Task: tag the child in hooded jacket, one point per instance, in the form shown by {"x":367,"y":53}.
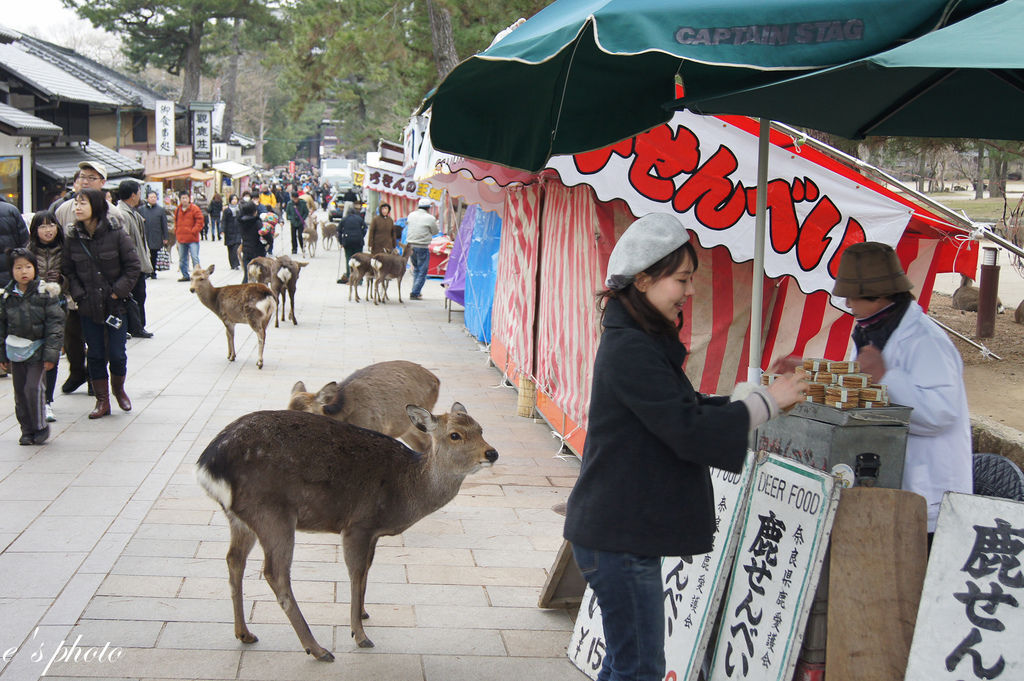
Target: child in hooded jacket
{"x":32,"y":331}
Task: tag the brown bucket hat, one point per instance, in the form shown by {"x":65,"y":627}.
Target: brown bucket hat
{"x":870,"y":270}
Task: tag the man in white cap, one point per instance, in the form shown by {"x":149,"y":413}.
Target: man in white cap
{"x":91,"y":175}
{"x":422,"y":228}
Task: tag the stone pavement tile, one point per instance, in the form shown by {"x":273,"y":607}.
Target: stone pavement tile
{"x":135,"y":585}
{"x":19,"y":617}
{"x":78,"y":500}
{"x":161,"y":609}
{"x":480,"y":489}
{"x":119,"y":633}
{"x":36,"y":575}
{"x":145,"y":432}
{"x":514,"y":596}
{"x":28,"y":486}
{"x":106,"y":552}
{"x":421,"y":556}
{"x":62,"y":534}
{"x":337,"y":572}
{"x":103,"y":473}
{"x":197,"y":532}
{"x":158,"y":663}
{"x":169,"y":567}
{"x":347,"y":666}
{"x":464,"y":668}
{"x":442,"y":640}
{"x":515,"y":528}
{"x":546,"y":543}
{"x":435,"y":524}
{"x":524,"y":643}
{"x":509,"y":576}
{"x":513,"y":558}
{"x":221,"y":636}
{"x":567,"y":481}
{"x":76,"y":595}
{"x":491,"y":617}
{"x":318,"y":553}
{"x":161,"y":547}
{"x":59,"y":462}
{"x":381,"y":614}
{"x":6,"y":539}
{"x":413,"y":539}
{"x":259,"y":589}
{"x":15,"y":516}
{"x":175,"y":517}
{"x":417,"y":594}
{"x":457,"y":510}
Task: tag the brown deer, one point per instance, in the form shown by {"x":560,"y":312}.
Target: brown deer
{"x":375,"y":398}
{"x":328,"y":233}
{"x":309,"y":239}
{"x":388,"y":266}
{"x":275,"y":472}
{"x":966,"y":297}
{"x":359,"y":270}
{"x":288,"y":274}
{"x":252,"y":304}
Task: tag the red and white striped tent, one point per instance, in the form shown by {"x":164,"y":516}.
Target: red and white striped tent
{"x":559,"y":230}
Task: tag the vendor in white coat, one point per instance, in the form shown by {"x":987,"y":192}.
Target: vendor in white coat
{"x":900,"y":347}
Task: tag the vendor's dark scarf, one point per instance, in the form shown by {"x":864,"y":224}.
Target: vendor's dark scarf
{"x":877,"y":328}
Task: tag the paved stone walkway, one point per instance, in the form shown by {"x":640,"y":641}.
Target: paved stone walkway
{"x":105,"y":535}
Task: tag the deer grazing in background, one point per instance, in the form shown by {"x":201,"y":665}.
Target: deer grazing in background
{"x":252,"y":304}
{"x":375,"y":397}
{"x":360,"y":270}
{"x":275,"y":472}
{"x":388,"y":266}
{"x":966,"y":297}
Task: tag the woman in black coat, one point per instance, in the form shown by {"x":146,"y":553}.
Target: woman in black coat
{"x":249,"y":225}
{"x":232,"y":232}
{"x":644,"y":490}
{"x":100,"y":267}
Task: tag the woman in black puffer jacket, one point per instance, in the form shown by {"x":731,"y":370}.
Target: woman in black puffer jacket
{"x":100,"y":269}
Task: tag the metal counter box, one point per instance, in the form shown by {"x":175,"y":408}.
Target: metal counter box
{"x":823,"y":437}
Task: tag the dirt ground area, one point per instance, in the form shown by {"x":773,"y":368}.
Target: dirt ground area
{"x":995,"y":388}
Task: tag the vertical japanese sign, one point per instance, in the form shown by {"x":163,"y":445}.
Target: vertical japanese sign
{"x":164,"y":128}
{"x":202,"y":136}
{"x":971,"y":620}
{"x":781,"y":548}
{"x":693,"y":587}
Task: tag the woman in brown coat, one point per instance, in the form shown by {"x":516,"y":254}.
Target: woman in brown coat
{"x":382,"y":231}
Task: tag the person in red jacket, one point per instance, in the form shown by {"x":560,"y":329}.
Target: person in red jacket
{"x":188,"y":225}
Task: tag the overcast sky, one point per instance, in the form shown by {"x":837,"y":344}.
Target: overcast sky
{"x":42,"y":18}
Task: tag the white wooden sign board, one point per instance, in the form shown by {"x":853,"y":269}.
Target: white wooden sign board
{"x":778,"y":561}
{"x":970,"y":624}
{"x":693,"y":591}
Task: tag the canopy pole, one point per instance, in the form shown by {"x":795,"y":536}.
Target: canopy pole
{"x":757,"y":289}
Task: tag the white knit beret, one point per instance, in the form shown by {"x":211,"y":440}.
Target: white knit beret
{"x":644,"y":243}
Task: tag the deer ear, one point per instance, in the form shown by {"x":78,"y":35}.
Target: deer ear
{"x":457,"y":408}
{"x":210,"y":269}
{"x":327,"y":392}
{"x":299,"y":387}
{"x":421,"y":418}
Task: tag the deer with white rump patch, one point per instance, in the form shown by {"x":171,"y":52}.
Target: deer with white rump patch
{"x":388,"y":266}
{"x":275,"y":472}
{"x":252,"y":304}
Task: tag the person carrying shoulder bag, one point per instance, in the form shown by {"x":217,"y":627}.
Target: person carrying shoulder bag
{"x":100,"y":269}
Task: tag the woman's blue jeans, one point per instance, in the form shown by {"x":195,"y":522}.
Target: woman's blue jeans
{"x":104,"y":344}
{"x":630,"y":594}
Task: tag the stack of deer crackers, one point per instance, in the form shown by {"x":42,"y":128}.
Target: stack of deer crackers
{"x":840,"y":384}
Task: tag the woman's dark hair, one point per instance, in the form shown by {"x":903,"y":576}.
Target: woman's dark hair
{"x":231,"y":196}
{"x":247,"y":208}
{"x":15,"y":253}
{"x":635,"y":302}
{"x":382,"y":206}
{"x":217,"y":197}
{"x":38,"y":220}
{"x":97,"y":201}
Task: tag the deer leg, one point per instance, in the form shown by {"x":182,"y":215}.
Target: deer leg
{"x":398,"y":283}
{"x":291,"y":299}
{"x":230,"y":329}
{"x":242,"y":540}
{"x":277,"y":536}
{"x":359,"y":547}
{"x":260,"y":327}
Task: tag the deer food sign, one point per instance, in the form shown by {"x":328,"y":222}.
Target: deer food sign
{"x":971,"y":617}
{"x":705,"y":171}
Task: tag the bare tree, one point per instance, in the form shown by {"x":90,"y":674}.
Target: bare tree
{"x":445,"y":57}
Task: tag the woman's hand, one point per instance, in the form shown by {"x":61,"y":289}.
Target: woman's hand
{"x":48,"y":366}
{"x":5,"y":367}
{"x":114,"y":296}
{"x":787,"y":390}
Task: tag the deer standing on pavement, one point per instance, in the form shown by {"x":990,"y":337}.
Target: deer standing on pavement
{"x":388,"y":266}
{"x":288,"y":274}
{"x":375,"y":397}
{"x":252,"y":304}
{"x":359,"y":270}
{"x":275,"y":472}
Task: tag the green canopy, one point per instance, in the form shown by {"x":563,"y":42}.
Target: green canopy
{"x":582,"y":74}
{"x":964,"y":80}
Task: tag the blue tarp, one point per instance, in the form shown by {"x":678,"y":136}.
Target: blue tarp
{"x":482,"y":273}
